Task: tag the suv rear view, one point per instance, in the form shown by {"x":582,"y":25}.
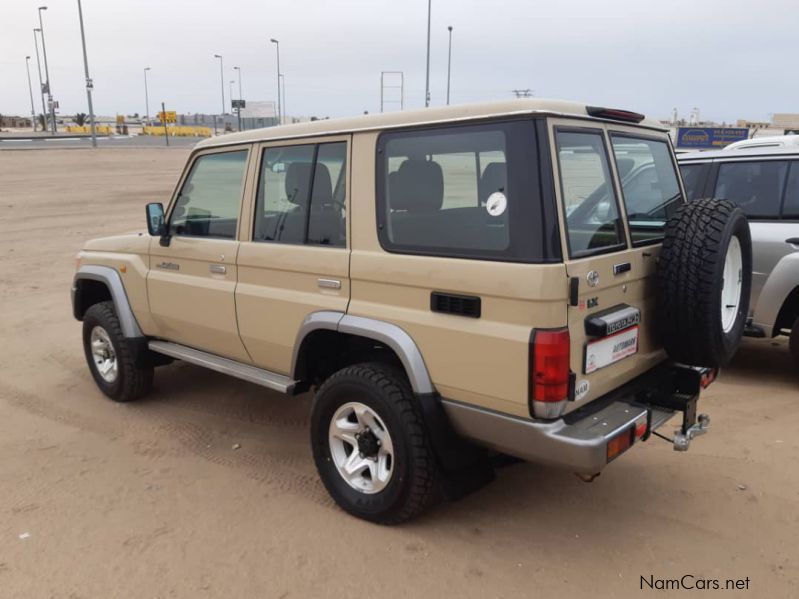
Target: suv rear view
{"x":522,"y":277}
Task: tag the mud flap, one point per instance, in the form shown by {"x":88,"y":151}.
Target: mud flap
{"x":465,"y":467}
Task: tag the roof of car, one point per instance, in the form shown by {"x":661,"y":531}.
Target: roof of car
{"x":389,"y":120}
{"x":738,"y":154}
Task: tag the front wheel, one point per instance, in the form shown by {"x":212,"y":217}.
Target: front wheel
{"x":794,"y":343}
{"x":110,"y":357}
{"x":370,"y":445}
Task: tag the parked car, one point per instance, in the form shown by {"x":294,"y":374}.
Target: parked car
{"x":776,"y":141}
{"x":764,"y":183}
{"x":434,"y":277}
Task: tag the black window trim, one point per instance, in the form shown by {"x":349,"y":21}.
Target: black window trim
{"x":609,"y":249}
{"x":716,"y":172}
{"x":187,"y":173}
{"x":552,"y":253}
{"x":675,"y":164}
{"x":315,"y":145}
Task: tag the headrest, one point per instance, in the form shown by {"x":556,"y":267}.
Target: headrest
{"x":624,"y":166}
{"x":495,"y":178}
{"x":417,"y":186}
{"x":298,"y":176}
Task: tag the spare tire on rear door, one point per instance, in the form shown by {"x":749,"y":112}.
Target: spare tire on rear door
{"x":704,"y":280}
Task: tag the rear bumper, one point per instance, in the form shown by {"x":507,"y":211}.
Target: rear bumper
{"x":579,"y":440}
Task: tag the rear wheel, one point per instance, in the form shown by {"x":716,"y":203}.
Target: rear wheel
{"x":370,"y":445}
{"x":110,"y":357}
{"x":704,"y":281}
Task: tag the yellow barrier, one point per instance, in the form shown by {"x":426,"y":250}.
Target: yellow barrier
{"x":177,"y":131}
{"x":101,"y":129}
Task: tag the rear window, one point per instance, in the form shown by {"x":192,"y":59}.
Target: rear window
{"x":649,"y":184}
{"x":755,"y":186}
{"x":593,"y":223}
{"x":468,"y":191}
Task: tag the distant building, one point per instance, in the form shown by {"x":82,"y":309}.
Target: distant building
{"x":15,"y":122}
{"x":785,"y":120}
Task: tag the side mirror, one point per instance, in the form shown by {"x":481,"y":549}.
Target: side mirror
{"x":155,"y":220}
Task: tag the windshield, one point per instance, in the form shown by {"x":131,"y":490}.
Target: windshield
{"x":649,"y":184}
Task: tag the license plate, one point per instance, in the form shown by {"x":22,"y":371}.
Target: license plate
{"x":608,"y":350}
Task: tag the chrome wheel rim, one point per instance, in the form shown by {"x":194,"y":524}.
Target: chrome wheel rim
{"x":361,"y":448}
{"x":103,"y":354}
{"x":732,"y":286}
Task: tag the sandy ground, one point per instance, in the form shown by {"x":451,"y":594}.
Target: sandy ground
{"x":151,"y":500}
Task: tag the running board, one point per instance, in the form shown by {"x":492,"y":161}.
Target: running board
{"x":253,"y":374}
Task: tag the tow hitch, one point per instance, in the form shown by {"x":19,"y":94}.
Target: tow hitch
{"x":682,"y":440}
{"x":686,"y":383}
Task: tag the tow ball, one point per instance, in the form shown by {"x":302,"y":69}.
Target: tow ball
{"x":682,"y":440}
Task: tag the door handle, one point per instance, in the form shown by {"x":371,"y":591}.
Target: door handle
{"x":328,"y":283}
{"x":792,"y":240}
{"x":217,"y":269}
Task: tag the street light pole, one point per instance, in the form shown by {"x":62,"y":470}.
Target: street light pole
{"x":230,"y":92}
{"x":146,"y":98}
{"x":41,"y":85}
{"x":283,"y":90}
{"x":47,"y":70}
{"x":222,"y":83}
{"x":30,"y":90}
{"x":449,"y":61}
{"x":427,"y":72}
{"x":89,"y":83}
{"x":279,"y":103}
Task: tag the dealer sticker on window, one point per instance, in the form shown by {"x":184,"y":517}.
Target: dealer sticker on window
{"x":604,"y":352}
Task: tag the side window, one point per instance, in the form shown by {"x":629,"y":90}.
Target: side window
{"x":592,"y":215}
{"x":692,"y":179}
{"x":466,"y":191}
{"x":433,"y":192}
{"x":301,"y":195}
{"x":755,"y":186}
{"x":209,"y":201}
{"x":790,"y":208}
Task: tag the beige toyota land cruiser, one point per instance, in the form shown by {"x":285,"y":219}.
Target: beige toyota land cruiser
{"x":453,"y":284}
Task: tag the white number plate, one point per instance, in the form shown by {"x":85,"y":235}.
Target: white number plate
{"x":608,"y":350}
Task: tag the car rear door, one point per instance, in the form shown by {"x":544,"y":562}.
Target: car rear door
{"x":611,"y":265}
{"x":294,"y":259}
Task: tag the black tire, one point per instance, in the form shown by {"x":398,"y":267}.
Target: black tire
{"x":794,"y":343}
{"x":690,"y":279}
{"x":412,"y":486}
{"x":132,"y":381}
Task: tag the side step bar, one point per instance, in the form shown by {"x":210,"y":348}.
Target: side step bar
{"x":253,"y":374}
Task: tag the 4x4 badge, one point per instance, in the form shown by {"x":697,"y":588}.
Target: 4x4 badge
{"x":593,"y":278}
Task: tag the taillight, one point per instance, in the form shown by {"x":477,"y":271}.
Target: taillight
{"x":549,"y":372}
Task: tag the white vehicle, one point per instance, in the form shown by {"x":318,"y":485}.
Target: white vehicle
{"x":759,"y":143}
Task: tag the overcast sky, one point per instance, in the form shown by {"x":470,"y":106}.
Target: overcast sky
{"x":731,"y":58}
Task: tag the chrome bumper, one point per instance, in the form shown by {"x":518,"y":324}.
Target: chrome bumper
{"x":579,"y":445}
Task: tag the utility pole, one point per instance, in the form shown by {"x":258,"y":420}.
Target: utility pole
{"x":283,"y":92}
{"x":449,"y":62}
{"x":89,"y":83}
{"x":50,"y":104}
{"x":30,"y":90}
{"x":427,"y":72}
{"x":41,"y":85}
{"x":146,"y":98}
